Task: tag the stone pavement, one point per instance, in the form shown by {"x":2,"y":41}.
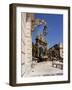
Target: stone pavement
{"x":44,"y":69}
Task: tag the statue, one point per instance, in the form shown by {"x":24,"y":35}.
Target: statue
{"x":40,"y":47}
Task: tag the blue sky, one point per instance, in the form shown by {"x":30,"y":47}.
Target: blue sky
{"x":54,"y":26}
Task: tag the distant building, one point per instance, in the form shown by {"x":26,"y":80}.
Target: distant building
{"x":56,"y":52}
{"x":61,"y":50}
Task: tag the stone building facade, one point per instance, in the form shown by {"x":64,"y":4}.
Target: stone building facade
{"x":26,"y":43}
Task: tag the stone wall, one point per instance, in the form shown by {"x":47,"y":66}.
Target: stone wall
{"x":26,"y":43}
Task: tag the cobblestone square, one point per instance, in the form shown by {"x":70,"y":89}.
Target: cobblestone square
{"x":44,"y":69}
